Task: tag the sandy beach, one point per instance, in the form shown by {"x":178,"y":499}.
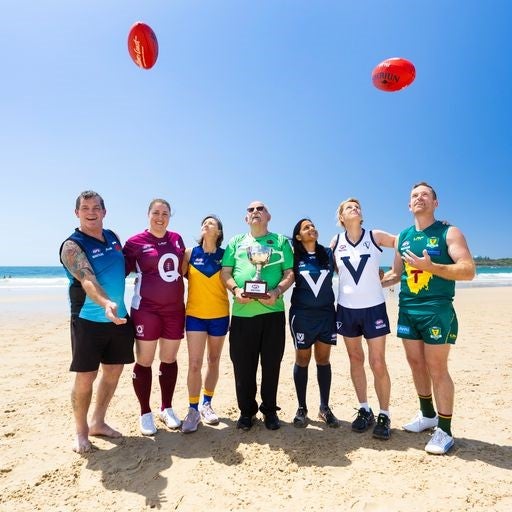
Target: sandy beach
{"x":221,"y":468}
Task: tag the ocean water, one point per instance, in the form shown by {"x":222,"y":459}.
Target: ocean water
{"x":39,"y":278}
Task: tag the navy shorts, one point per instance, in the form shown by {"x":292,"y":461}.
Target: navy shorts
{"x":153,"y":325}
{"x":212,"y":326}
{"x":371,"y":322}
{"x":310,"y":326}
{"x":93,"y":343}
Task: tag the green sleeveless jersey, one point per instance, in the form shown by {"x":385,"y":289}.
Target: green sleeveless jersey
{"x":421,"y":291}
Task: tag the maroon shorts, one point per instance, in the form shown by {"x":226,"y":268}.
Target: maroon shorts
{"x":153,"y":325}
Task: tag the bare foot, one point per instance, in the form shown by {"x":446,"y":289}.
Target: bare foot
{"x":103,"y":430}
{"x":82,"y":444}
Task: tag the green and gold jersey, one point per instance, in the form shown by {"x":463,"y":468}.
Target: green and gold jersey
{"x":421,"y":291}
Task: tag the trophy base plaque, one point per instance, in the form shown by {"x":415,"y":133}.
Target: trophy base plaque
{"x":255,"y":290}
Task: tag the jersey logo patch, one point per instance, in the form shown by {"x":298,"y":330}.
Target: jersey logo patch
{"x":315,"y":287}
{"x":168,"y":265}
{"x":356,"y":272}
{"x":403,"y":330}
{"x":417,"y":280}
{"x":435,"y":333}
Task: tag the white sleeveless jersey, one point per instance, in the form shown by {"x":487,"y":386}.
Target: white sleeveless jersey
{"x":358,"y":271}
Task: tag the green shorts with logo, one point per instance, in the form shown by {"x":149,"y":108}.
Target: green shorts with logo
{"x":436,"y":328}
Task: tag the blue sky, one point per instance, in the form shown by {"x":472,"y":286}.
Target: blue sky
{"x":267,"y":99}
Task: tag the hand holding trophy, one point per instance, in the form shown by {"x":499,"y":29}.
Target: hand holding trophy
{"x":256,"y":288}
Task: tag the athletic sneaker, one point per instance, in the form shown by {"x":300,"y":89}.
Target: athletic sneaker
{"x":301,"y":418}
{"x":326,"y":415}
{"x":365,"y":419}
{"x":383,"y":428}
{"x":191,"y":421}
{"x":147,"y":424}
{"x":420,"y":423}
{"x":440,"y":442}
{"x":208,"y":415}
{"x":169,"y":418}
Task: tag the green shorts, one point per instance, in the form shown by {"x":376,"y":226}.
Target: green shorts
{"x":436,"y":328}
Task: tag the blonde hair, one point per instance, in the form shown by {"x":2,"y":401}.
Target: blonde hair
{"x":339,"y":211}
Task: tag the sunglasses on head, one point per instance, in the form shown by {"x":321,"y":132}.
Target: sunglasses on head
{"x":255,"y":209}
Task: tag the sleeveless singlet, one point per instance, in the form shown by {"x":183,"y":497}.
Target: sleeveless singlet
{"x":358,"y":271}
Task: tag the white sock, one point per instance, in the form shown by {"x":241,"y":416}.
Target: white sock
{"x":365,"y":406}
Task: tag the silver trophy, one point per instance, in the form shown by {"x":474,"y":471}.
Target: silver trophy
{"x":259,"y":256}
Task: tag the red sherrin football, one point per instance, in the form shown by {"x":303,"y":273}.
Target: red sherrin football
{"x":393,"y":74}
{"x":142,"y":45}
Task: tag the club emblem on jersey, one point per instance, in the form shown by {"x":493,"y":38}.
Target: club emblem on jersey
{"x":168,"y":266}
{"x":435,"y":333}
{"x":367,"y":244}
{"x":315,"y":287}
{"x":433,"y":242}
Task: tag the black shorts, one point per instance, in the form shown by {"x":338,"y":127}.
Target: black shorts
{"x":93,"y":343}
{"x":310,"y":326}
{"x":371,"y":322}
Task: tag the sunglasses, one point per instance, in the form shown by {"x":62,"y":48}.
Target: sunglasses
{"x":255,"y":209}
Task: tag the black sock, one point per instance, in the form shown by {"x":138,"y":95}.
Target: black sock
{"x":300,"y":377}
{"x":427,"y":406}
{"x":445,"y":423}
{"x":324,"y":376}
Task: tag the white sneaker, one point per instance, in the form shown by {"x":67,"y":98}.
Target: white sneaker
{"x":191,"y":421}
{"x":169,"y":418}
{"x":208,"y":415}
{"x":440,"y":443}
{"x":420,"y":423}
{"x":147,"y":424}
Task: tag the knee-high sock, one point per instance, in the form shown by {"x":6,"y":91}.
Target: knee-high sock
{"x":300,"y":377}
{"x":427,"y":406}
{"x":324,"y":377}
{"x":167,"y":377}
{"x":142,"y":377}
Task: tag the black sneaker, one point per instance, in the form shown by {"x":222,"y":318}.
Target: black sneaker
{"x":301,"y":418}
{"x":272,"y":421}
{"x":245,"y":423}
{"x":326,"y":415}
{"x":365,"y":419}
{"x":383,"y":428}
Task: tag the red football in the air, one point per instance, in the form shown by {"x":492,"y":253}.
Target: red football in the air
{"x":393,"y":74}
{"x":142,"y":45}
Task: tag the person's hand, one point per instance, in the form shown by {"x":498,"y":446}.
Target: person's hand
{"x":240,"y":297}
{"x":421,"y":263}
{"x":111,"y":313}
{"x":273,"y":296}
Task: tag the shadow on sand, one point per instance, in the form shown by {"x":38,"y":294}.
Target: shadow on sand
{"x":136,"y":463}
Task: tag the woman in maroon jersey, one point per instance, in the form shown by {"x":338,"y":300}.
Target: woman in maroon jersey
{"x":158,"y":311}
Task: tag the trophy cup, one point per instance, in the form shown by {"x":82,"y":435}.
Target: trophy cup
{"x":259,"y":256}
